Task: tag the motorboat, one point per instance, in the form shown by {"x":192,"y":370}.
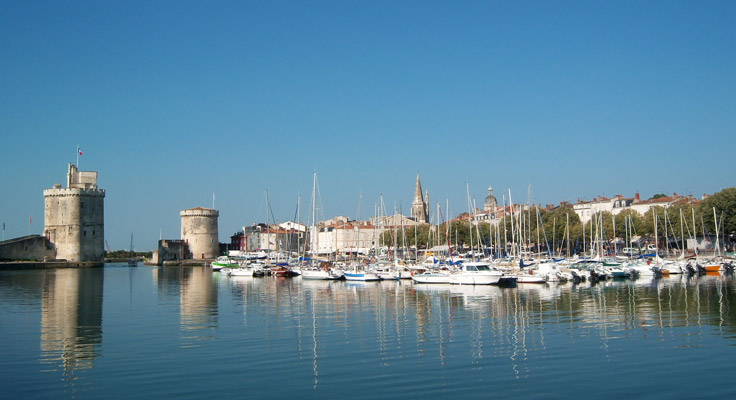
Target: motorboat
{"x":431,"y":277}
{"x":476,"y":273}
{"x":240,"y":271}
{"x":223,"y":262}
{"x":322,"y":273}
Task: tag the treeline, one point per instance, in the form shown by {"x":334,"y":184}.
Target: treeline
{"x":126,"y":254}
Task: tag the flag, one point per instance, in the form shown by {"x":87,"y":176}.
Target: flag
{"x":3,"y":226}
{"x":30,"y":221}
{"x":79,"y":151}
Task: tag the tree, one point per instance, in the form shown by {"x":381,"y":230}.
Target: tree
{"x":725,"y":205}
{"x":629,"y":220}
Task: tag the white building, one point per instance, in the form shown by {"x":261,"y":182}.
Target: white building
{"x":344,"y":238}
{"x":586,"y":209}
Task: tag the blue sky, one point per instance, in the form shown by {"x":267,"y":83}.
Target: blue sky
{"x":174,"y":100}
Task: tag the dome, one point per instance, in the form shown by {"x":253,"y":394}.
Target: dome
{"x":490,"y":201}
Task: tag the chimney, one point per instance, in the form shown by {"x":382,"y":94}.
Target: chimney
{"x":636,"y":197}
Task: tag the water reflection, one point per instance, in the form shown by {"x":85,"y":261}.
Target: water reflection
{"x":193,"y":290}
{"x":333,"y":335}
{"x":71,"y":318}
{"x":396,"y":320}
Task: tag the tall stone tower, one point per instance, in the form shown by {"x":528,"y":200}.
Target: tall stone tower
{"x":419,"y":207}
{"x":74,"y":217}
{"x":199,"y":231}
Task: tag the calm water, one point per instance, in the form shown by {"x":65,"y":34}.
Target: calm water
{"x":150,"y":332}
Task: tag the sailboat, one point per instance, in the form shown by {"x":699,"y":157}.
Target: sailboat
{"x":132,"y":262}
{"x":324,"y":271}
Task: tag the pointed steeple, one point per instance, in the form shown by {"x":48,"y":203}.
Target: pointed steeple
{"x":418,"y":191}
{"x":419,"y":209}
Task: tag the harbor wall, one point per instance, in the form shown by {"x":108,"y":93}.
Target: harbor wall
{"x":27,"y":248}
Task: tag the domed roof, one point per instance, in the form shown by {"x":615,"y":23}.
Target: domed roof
{"x":490,"y":201}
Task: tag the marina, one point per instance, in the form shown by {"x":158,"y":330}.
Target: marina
{"x":367,"y":200}
{"x":193,"y":332}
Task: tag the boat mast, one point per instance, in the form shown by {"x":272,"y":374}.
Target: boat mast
{"x":656,"y":238}
{"x":513,"y":236}
{"x":682,"y":234}
{"x":715,"y":221}
{"x":470,"y":223}
{"x":567,"y":230}
{"x":314,"y":232}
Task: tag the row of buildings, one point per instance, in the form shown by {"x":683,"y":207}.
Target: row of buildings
{"x":340,"y":235}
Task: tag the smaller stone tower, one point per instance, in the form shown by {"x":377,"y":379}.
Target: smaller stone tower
{"x":74,"y":217}
{"x":199,"y":231}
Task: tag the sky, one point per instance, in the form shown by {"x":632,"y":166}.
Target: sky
{"x":172,"y":101}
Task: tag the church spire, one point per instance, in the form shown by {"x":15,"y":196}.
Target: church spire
{"x":418,"y":191}
{"x":419,"y":208}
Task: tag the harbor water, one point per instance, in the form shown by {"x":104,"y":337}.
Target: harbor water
{"x":148,"y":332}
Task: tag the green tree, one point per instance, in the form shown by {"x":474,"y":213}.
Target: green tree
{"x":725,"y":206}
{"x":629,"y":224}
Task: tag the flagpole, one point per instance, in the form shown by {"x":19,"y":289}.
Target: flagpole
{"x":77,"y":157}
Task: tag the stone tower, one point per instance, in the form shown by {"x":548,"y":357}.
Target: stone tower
{"x":74,"y":217}
{"x":199,"y":231}
{"x":419,"y":208}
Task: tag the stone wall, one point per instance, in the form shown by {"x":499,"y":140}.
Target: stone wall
{"x":169,"y":250}
{"x":30,"y":248}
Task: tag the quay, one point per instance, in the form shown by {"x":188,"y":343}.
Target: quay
{"x":16,"y":265}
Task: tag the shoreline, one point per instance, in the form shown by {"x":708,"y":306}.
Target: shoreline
{"x":15,"y":265}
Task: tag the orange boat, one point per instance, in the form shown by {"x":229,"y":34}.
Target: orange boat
{"x":712,"y":267}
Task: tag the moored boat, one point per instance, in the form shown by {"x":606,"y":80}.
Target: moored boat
{"x":240,"y":271}
{"x":431,"y":277}
{"x":356,"y":274}
{"x":324,"y":272}
{"x":223,"y":262}
{"x":476,"y":273}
